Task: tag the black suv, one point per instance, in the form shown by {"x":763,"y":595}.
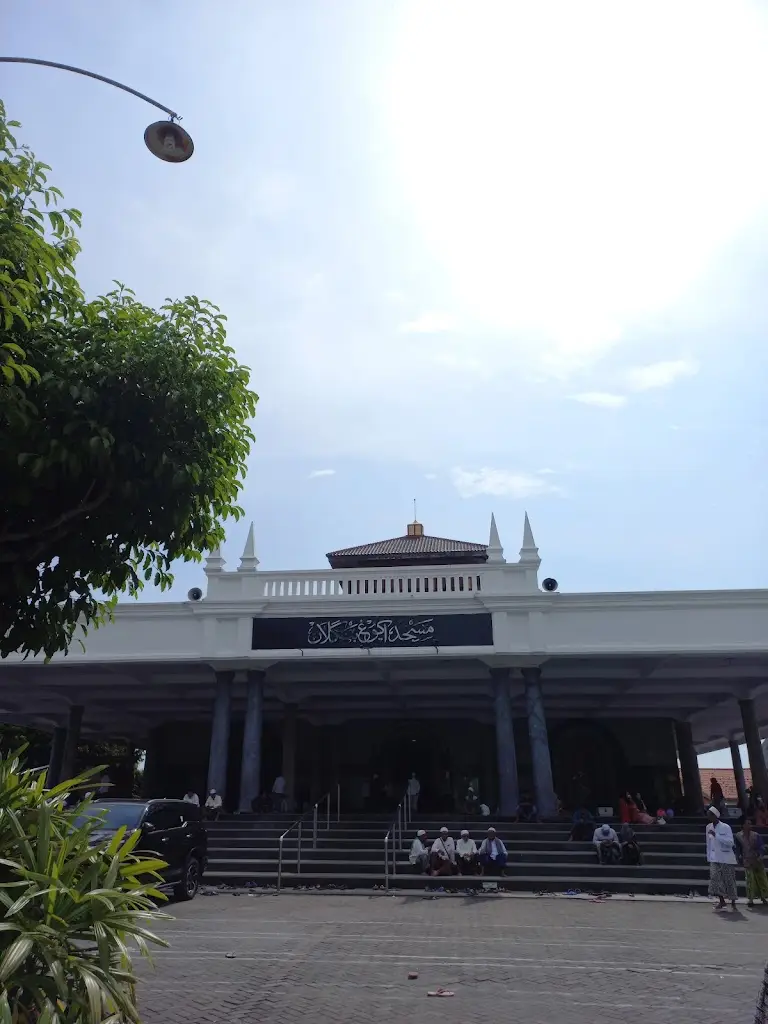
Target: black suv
{"x":170,"y":829}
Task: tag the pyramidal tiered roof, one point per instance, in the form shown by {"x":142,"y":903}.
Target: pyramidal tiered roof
{"x":414,"y":548}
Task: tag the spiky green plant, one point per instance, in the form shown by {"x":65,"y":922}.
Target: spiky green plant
{"x":69,"y":907}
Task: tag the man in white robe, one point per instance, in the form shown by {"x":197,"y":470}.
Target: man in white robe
{"x":466,"y":854}
{"x":493,"y":854}
{"x":419,"y":855}
{"x":442,"y":860}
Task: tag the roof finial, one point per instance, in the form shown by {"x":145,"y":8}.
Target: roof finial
{"x":414,"y":529}
{"x":248,"y":561}
{"x":495,"y":550}
{"x":529,"y":552}
{"x":214,"y":563}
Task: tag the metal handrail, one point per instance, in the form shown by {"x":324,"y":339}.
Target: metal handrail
{"x":299,"y":823}
{"x":323,"y":800}
{"x":395,"y":834}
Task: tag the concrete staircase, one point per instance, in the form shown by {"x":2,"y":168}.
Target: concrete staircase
{"x":244,"y":849}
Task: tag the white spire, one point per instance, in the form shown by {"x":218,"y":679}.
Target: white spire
{"x":529,"y":552}
{"x":495,"y":550}
{"x":249,"y":562}
{"x":214,"y":563}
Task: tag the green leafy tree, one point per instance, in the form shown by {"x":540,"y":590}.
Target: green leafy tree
{"x":124,"y":430}
{"x":69,"y":907}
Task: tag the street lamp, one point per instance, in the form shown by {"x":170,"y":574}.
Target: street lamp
{"x":167,"y":140}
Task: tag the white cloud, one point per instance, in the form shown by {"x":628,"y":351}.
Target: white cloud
{"x":430,"y":476}
{"x":500,"y":482}
{"x":321,"y":472}
{"x":430,"y":323}
{"x":660,"y":375}
{"x":604,"y":399}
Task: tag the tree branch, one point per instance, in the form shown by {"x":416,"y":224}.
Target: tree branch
{"x":55,"y":526}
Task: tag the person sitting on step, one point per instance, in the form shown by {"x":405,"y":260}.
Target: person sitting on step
{"x":261,"y":804}
{"x":442,"y":860}
{"x":642,"y":817}
{"x":419,"y":855}
{"x":492,"y":854}
{"x":583,"y":826}
{"x":213,"y":805}
{"x":470,"y":800}
{"x":466,"y":854}
{"x":526,"y":810}
{"x":630,"y":848}
{"x":607,"y":845}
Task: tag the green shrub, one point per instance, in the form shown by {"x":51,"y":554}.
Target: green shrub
{"x":69,"y":907}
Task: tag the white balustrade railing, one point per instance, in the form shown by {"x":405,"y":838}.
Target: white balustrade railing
{"x":438,"y":582}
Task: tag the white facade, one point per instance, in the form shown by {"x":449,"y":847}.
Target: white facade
{"x":681,"y":654}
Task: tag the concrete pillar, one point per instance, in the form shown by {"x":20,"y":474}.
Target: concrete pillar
{"x":754,"y":748}
{"x":316,"y":786}
{"x":56,"y":759}
{"x":689,"y":767}
{"x":537,"y":731}
{"x":506,"y":756}
{"x":219,"y":752}
{"x":250,"y":767}
{"x":151,"y":778}
{"x":738,"y":772}
{"x":72,"y":742}
{"x":289,"y":753}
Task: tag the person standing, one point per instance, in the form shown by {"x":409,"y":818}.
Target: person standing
{"x":721,"y":855}
{"x":716,"y":796}
{"x":278,"y":794}
{"x":414,"y":789}
{"x":752,"y":848}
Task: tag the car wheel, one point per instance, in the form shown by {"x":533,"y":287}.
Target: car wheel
{"x":186,"y":888}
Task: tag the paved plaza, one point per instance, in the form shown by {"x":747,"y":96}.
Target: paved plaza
{"x":321,"y":958}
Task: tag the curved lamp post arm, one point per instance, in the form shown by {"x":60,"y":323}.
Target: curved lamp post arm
{"x":90,"y":74}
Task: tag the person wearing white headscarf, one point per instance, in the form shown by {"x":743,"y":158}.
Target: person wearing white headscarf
{"x":721,"y":854}
{"x":466,"y":854}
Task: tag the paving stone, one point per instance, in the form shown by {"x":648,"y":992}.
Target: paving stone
{"x":322,"y":958}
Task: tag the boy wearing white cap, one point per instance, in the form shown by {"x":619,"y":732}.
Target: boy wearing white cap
{"x":466,"y":853}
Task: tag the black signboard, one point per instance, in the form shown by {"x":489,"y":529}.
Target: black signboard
{"x":473,"y":630}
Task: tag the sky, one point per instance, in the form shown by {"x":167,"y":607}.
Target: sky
{"x":497,"y":256}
